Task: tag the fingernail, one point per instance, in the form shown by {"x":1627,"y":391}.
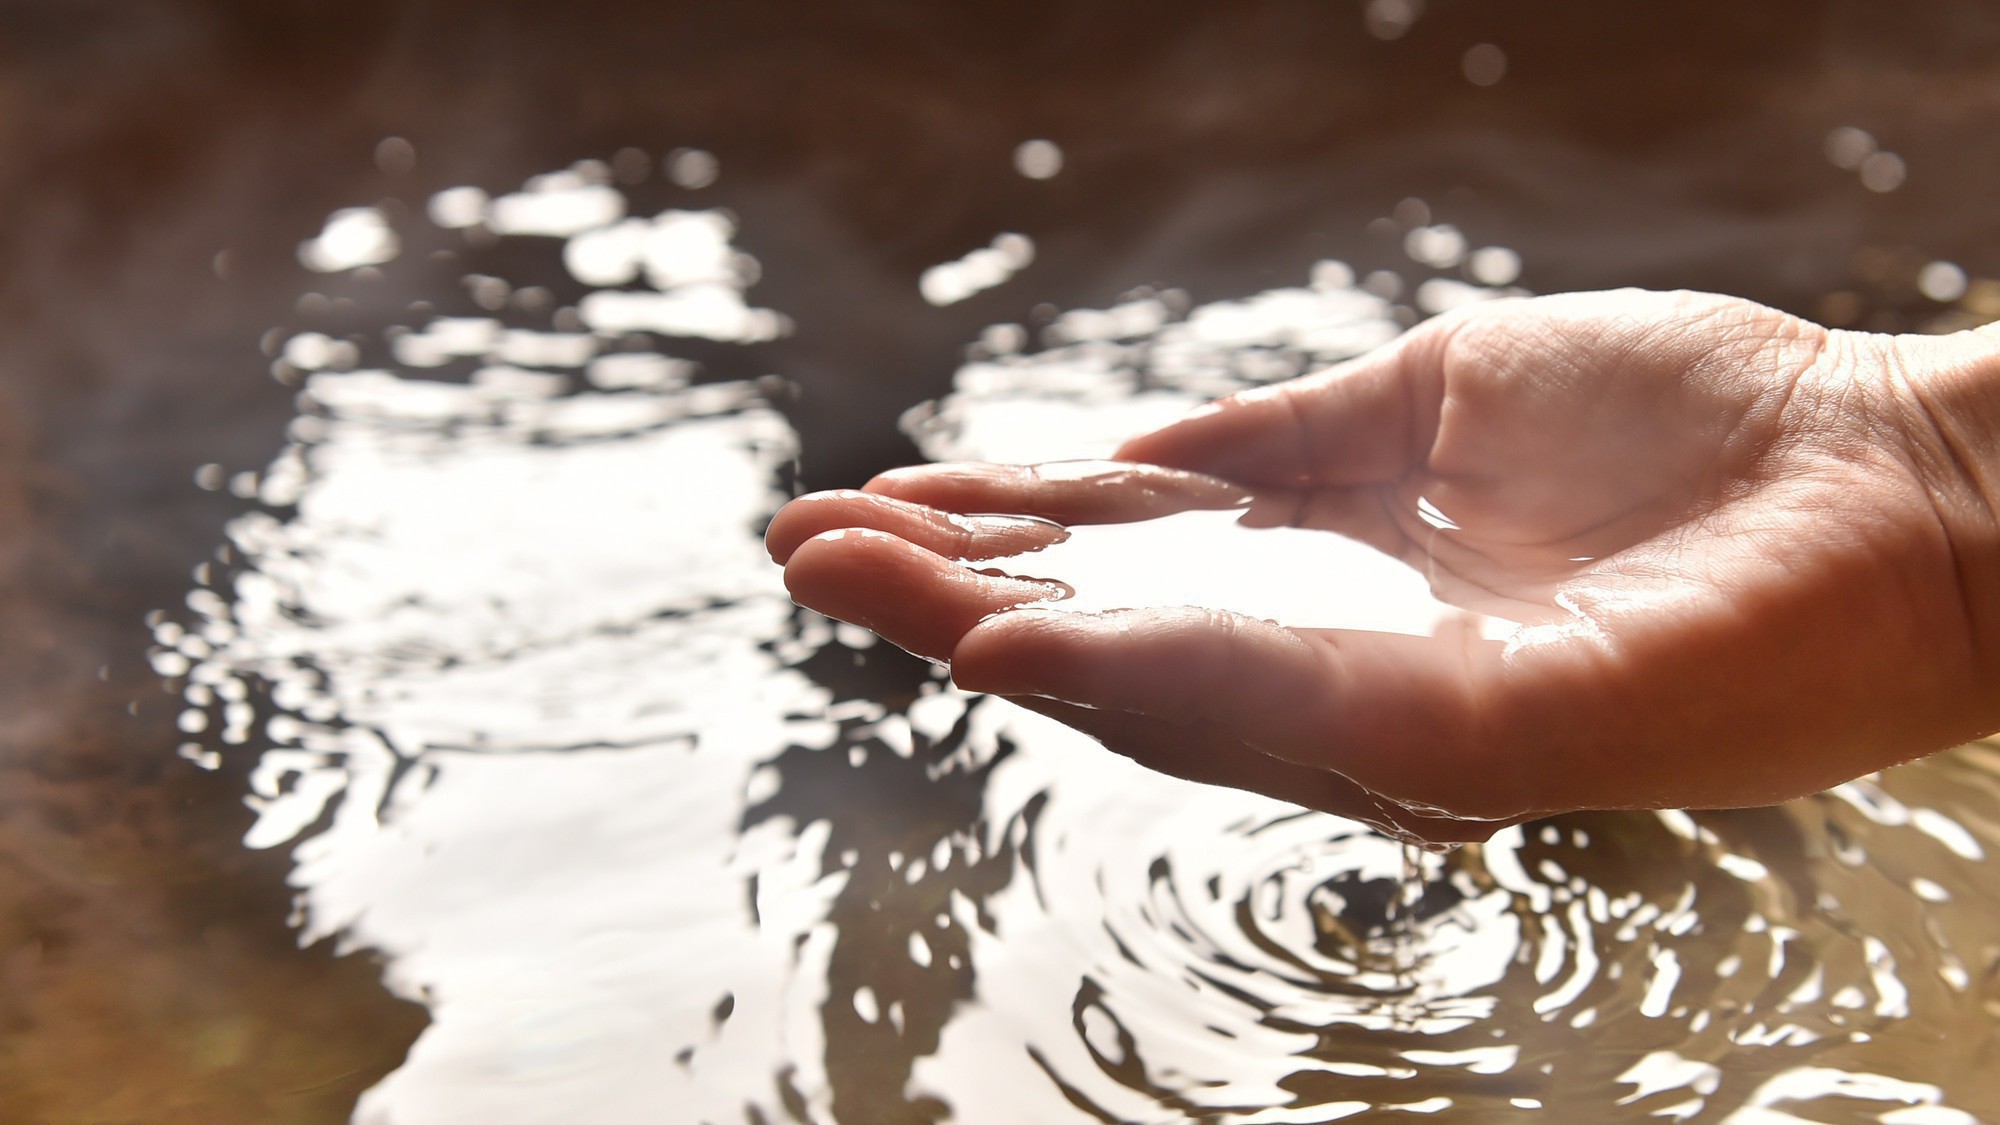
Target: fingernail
{"x":1005,"y":523}
{"x":1059,"y":591}
{"x":1033,"y":611}
{"x":1083,"y":470}
{"x":1225,"y":495}
{"x":988,"y":524}
{"x":1165,"y":479}
{"x":1050,"y":589}
{"x":1214,"y":489}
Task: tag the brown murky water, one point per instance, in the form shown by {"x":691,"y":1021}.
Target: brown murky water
{"x":469,"y":448}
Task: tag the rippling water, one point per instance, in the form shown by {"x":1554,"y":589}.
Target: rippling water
{"x":533,"y":715}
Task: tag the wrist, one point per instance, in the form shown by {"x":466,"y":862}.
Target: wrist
{"x":1950,"y":389}
{"x":1954,"y":384}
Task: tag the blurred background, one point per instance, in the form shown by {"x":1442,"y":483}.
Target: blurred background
{"x":161,"y":163}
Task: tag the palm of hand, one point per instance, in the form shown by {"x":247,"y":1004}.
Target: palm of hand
{"x":1689,"y":500}
{"x":1540,"y":446}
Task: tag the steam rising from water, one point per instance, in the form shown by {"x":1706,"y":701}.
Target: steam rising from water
{"x":532,"y":712}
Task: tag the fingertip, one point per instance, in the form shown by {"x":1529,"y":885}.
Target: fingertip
{"x":1232,"y":438}
{"x":896,"y":482}
{"x":1157,"y":447}
{"x":951,"y":485}
{"x":1364,"y":420}
{"x":781,"y":535}
{"x":917,"y":599}
{"x":829,"y":561}
{"x":842,"y":573}
{"x":800,"y":520}
{"x":989,"y":658}
{"x":989,"y":536}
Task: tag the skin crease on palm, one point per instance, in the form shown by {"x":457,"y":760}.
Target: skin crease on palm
{"x":1753,"y":557}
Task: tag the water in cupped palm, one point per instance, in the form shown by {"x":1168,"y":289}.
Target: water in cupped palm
{"x":538,"y":725}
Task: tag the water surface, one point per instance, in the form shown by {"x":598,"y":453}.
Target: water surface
{"x":535,"y":722}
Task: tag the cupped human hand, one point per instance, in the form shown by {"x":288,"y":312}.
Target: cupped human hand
{"x":1753,"y":558}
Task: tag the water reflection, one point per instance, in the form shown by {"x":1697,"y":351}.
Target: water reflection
{"x":1190,"y":953}
{"x":514,"y":643}
{"x":541,"y":728}
{"x":950,"y":282}
{"x":354,"y":237}
{"x":1181,"y":954}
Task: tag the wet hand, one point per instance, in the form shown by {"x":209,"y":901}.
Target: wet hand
{"x":1752,"y":559}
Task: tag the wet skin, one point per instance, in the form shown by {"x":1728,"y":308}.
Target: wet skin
{"x":1753,"y":557}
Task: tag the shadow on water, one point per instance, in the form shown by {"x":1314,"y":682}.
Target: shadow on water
{"x":521,"y":711}
{"x":909,"y":833}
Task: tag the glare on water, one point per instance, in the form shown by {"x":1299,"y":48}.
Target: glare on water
{"x":538,"y":725}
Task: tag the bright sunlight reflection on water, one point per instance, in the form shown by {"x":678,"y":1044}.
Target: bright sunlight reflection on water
{"x":539,"y":725}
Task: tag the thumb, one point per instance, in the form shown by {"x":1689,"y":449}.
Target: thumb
{"x":1368,"y":420}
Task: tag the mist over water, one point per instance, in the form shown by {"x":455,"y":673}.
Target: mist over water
{"x":534,"y":718}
